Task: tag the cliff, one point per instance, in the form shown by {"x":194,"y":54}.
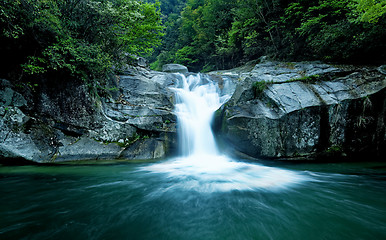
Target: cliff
{"x":305,"y":110}
{"x":56,"y":121}
{"x":297,"y":110}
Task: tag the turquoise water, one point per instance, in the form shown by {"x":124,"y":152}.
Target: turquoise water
{"x":145,"y":201}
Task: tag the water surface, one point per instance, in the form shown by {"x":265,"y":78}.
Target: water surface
{"x":137,"y":201}
{"x":199,"y":195}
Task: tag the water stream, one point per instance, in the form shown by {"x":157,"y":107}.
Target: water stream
{"x":201,"y":166}
{"x":200,"y":195}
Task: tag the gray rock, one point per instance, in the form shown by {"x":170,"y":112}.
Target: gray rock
{"x":382,"y":69}
{"x":9,"y":97}
{"x":295,"y":119}
{"x":174,"y":68}
{"x":84,"y":148}
{"x":142,"y":62}
{"x":19,"y":141}
{"x":145,"y":103}
{"x":68,"y":102}
{"x":145,"y":149}
{"x":65,"y":123}
{"x":112,"y":131}
{"x":283,"y":72}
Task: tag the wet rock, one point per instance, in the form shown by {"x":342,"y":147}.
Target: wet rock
{"x":297,"y":118}
{"x":174,"y":68}
{"x":145,"y":149}
{"x":144,"y":103}
{"x":85,"y":148}
{"x":65,"y":123}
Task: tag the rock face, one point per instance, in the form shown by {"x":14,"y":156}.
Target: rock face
{"x":174,"y":68}
{"x":60,"y":121}
{"x":305,"y":110}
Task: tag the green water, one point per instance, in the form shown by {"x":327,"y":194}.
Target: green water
{"x":128,"y":201}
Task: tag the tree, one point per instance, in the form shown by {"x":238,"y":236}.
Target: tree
{"x":84,"y":38}
{"x":214,"y":34}
{"x":369,"y":10}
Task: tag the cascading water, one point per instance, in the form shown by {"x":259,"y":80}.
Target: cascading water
{"x":197,"y":100}
{"x":201,"y":167}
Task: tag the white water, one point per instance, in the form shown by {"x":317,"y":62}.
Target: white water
{"x":196,"y":103}
{"x":201,"y":166}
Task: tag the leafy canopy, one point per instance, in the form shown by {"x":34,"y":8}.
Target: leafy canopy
{"x":84,"y":38}
{"x":218,"y":34}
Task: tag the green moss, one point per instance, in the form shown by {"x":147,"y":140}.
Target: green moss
{"x":306,"y":79}
{"x":289,"y":65}
{"x":335,"y":149}
{"x":55,"y":156}
{"x":259,"y":87}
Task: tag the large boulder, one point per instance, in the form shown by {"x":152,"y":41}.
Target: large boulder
{"x":306,"y":110}
{"x":174,"y":68}
{"x":62,"y":122}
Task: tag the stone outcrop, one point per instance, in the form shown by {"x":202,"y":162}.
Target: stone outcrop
{"x":56,"y":121}
{"x":305,"y":111}
{"x":174,"y":68}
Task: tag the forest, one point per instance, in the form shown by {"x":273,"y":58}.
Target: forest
{"x":88,"y":39}
{"x":219,"y":34}
{"x":79,"y":39}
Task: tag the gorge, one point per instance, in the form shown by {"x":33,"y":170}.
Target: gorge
{"x":120,"y":120}
{"x":304,"y":110}
{"x":198,"y":192}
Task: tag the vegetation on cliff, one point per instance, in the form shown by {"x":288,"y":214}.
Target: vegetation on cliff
{"x":219,"y":34}
{"x":79,"y":38}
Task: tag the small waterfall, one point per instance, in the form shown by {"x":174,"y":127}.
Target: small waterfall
{"x":201,"y":167}
{"x":197,"y":98}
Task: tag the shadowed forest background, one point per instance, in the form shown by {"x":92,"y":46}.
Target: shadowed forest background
{"x":89,"y":39}
{"x":219,"y":34}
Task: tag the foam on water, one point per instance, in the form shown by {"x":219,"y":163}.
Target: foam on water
{"x":211,"y":173}
{"x":200,"y":166}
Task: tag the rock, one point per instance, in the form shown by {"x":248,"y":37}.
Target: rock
{"x":145,"y":149}
{"x":84,"y":148}
{"x":174,"y":68}
{"x":144,"y":103}
{"x":62,"y":122}
{"x":382,"y":69}
{"x":282,"y":72}
{"x":23,"y":138}
{"x":8,"y":97}
{"x":142,"y":62}
{"x":112,"y":131}
{"x":301,"y":119}
{"x":68,"y":102}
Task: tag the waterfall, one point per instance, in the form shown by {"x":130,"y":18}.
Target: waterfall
{"x":197,"y":97}
{"x":201,"y":166}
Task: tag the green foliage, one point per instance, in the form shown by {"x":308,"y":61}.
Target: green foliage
{"x":335,"y":150}
{"x":306,"y":79}
{"x":259,"y":87}
{"x":369,"y":10}
{"x":218,"y":34}
{"x":82,"y":38}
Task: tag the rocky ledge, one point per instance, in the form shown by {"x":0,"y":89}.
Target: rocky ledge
{"x":55,"y":121}
{"x":305,"y":110}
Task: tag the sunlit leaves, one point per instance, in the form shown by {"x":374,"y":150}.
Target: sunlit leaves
{"x":370,"y":10}
{"x":85,"y":38}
